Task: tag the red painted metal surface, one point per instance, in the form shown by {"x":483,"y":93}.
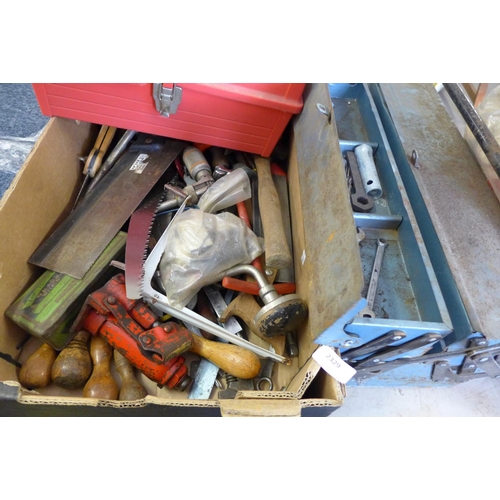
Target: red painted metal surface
{"x":244,"y":117}
{"x":127,"y":326}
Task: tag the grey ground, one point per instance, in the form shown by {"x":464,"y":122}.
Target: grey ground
{"x":20,"y":123}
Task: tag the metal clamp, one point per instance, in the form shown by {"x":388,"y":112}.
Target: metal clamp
{"x":166,"y":100}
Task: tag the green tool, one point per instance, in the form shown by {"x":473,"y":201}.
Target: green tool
{"x":48,"y":308}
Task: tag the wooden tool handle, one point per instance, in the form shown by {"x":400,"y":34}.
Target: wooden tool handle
{"x":101,"y":384}
{"x":73,"y":366}
{"x":234,"y":360}
{"x":278,"y":255}
{"x":102,"y":143}
{"x":35,"y":372}
{"x":131,"y":389}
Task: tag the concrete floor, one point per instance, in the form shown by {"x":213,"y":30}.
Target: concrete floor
{"x":477,"y":398}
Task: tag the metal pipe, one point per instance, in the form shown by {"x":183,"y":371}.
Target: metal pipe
{"x":476,"y":124}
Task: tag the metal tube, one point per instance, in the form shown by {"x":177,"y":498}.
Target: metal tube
{"x":479,"y":129}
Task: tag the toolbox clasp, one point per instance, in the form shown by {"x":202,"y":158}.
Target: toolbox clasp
{"x":167,"y":100}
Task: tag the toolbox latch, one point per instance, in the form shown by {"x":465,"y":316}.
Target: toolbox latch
{"x":166,"y":99}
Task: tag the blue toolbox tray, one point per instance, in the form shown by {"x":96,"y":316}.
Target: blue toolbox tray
{"x":422,"y":332}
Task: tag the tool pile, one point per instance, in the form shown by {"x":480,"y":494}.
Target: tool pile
{"x":174,"y":266}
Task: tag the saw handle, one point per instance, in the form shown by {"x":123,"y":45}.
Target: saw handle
{"x":278,"y":255}
{"x":232,"y":359}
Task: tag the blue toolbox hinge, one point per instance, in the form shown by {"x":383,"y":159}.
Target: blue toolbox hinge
{"x":477,"y":360}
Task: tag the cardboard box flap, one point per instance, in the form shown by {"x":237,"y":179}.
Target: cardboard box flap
{"x":259,"y":408}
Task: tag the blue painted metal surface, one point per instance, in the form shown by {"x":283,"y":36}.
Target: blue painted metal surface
{"x":411,"y":296}
{"x":462,"y":327}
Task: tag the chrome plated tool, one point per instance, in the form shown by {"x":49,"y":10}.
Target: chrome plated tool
{"x":265,"y":377}
{"x":367,"y":312}
{"x":360,"y":200}
{"x":368,"y":170}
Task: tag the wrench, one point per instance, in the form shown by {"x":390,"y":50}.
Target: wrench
{"x":367,"y":312}
{"x":265,"y":375}
{"x":360,"y":200}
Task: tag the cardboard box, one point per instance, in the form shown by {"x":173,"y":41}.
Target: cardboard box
{"x":327,"y":270}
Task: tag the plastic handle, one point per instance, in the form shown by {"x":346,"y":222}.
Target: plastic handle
{"x":253,"y":289}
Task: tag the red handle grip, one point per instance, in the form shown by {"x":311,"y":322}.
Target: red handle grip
{"x":252,"y":288}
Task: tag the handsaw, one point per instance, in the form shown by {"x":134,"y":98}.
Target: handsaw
{"x":137,"y":248}
{"x":76,"y":244}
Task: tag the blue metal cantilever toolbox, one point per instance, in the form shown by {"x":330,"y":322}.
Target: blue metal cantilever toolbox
{"x":434,"y":314}
{"x":436,"y":317}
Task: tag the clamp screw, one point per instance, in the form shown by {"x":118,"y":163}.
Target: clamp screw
{"x":348,"y":342}
{"x":111,"y":300}
{"x":167,"y":327}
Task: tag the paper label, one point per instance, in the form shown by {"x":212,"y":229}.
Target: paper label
{"x":333,"y":364}
{"x":140,"y":163}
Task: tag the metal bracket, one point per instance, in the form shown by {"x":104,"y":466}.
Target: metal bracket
{"x":166,"y":100}
{"x":442,"y":371}
{"x":478,"y":355}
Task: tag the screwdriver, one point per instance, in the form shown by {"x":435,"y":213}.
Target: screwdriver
{"x":94,"y":159}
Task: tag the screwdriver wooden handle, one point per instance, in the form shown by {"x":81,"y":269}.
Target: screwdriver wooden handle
{"x":73,"y":366}
{"x":131,"y":389}
{"x":102,"y":143}
{"x":101,"y":384}
{"x":277,"y":253}
{"x":35,"y":372}
{"x":234,"y":360}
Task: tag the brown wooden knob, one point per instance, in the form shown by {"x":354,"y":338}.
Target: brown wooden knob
{"x":234,"y":360}
{"x":73,"y":366}
{"x":101,"y":383}
{"x":35,"y":372}
{"x":131,"y":389}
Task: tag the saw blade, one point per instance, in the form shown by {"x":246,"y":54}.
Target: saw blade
{"x":138,"y":236}
{"x":152,"y":296}
{"x":74,"y":246}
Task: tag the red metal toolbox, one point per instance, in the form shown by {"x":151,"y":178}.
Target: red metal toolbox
{"x":248,"y":117}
